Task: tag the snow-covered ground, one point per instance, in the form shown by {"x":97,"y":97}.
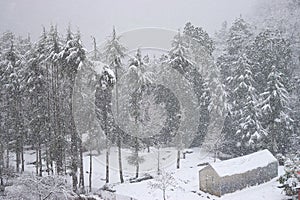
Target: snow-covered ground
{"x":186,"y":177}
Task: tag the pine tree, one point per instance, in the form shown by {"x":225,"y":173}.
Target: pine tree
{"x":271,"y":55}
{"x":53,"y":46}
{"x":179,"y":54}
{"x":235,"y":69}
{"x":141,"y":79}
{"x":103,"y":97}
{"x":220,"y":37}
{"x":114,"y":52}
{"x":248,"y":128}
{"x":73,"y":55}
{"x":12,"y":80}
{"x":180,"y":60}
{"x":201,"y":47}
{"x":218,"y":105}
{"x":36,"y":88}
{"x":274,"y":105}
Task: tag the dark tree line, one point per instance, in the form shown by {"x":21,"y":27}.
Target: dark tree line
{"x":37,"y":83}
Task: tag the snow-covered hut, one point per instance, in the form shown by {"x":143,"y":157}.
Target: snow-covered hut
{"x":235,"y":174}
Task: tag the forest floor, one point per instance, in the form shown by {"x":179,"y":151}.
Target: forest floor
{"x":186,"y":178}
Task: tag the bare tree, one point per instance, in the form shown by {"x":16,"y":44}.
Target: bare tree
{"x":163,"y":182}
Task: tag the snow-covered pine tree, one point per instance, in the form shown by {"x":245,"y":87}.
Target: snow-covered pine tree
{"x":281,"y":15}
{"x":220,"y":37}
{"x":53,"y":45}
{"x":12,"y":80}
{"x":42,"y":54}
{"x":290,"y":179}
{"x":238,"y":37}
{"x":113,"y":54}
{"x":152,"y":119}
{"x":245,"y":113}
{"x":96,"y":54}
{"x":295,"y":107}
{"x":179,"y":54}
{"x":6,"y":120}
{"x":231,"y":64}
{"x":72,"y":56}
{"x":103,"y":97}
{"x":218,"y":105}
{"x":200,"y":50}
{"x":180,"y":59}
{"x":271,"y":55}
{"x":275,"y":112}
{"x":36,"y":93}
{"x":141,"y":78}
{"x":200,"y":46}
{"x":138,"y":72}
{"x":113,"y":51}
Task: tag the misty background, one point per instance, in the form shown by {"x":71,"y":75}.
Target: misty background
{"x":96,"y":17}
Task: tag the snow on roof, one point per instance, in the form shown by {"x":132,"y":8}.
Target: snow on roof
{"x":243,"y":164}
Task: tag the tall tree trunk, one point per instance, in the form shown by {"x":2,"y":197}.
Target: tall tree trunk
{"x":120,"y":161}
{"x":74,"y":136}
{"x":119,"y":134}
{"x":91,"y":170}
{"x":17,"y":160}
{"x":57,"y":140}
{"x":48,"y":125}
{"x":21,"y":131}
{"x":22,"y":159}
{"x":137,"y":170}
{"x":178,"y":159}
{"x":60,"y":138}
{"x":40,"y":160}
{"x":47,"y":159}
{"x":148,"y":148}
{"x":37,"y":161}
{"x":1,"y":163}
{"x":74,"y":162}
{"x":137,"y":157}
{"x":81,"y":175}
{"x":158,"y":161}
{"x":7,"y":141}
{"x":1,"y":153}
{"x":274,"y":142}
{"x":7,"y":156}
{"x":53,"y":153}
{"x":18,"y":136}
{"x":1,"y":160}
{"x":107,"y":141}
{"x":107,"y":161}
{"x":74,"y":158}
{"x":1,"y":171}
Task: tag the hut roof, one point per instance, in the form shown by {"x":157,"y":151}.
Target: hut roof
{"x":243,"y":164}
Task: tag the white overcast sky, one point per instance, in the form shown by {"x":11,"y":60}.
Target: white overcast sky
{"x":96,"y":17}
